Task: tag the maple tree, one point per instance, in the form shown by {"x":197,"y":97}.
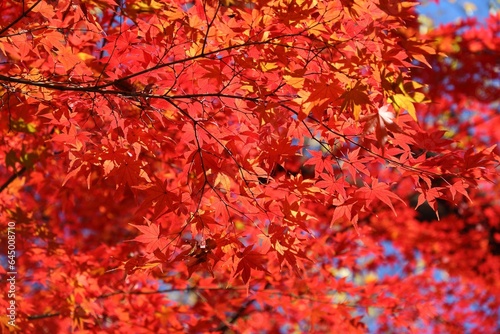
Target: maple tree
{"x":249,"y":166}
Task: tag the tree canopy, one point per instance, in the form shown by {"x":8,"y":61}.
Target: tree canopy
{"x":248,"y":166}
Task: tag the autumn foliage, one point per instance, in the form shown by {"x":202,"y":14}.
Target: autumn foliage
{"x":266,"y":166}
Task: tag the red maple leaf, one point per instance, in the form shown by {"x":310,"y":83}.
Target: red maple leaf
{"x":381,"y":191}
{"x":150,"y":236}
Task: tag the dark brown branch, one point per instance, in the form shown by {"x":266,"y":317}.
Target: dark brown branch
{"x":353,"y":142}
{"x":238,"y":314}
{"x":43,"y":316}
{"x":23,"y":15}
{"x":128,"y":93}
{"x":209,"y":24}
{"x":223,"y":327}
{"x":12,"y":178}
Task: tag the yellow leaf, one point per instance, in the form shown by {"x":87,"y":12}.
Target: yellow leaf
{"x":416,"y":85}
{"x":295,"y":82}
{"x":248,"y":88}
{"x":145,"y":7}
{"x":268,"y":66}
{"x":31,"y":127}
{"x":317,"y":29}
{"x":194,"y":50}
{"x":85,"y":56}
{"x":371,"y":277}
{"x":419,"y":97}
{"x":279,"y":248}
{"x":224,"y":181}
{"x":401,"y":101}
{"x":239,"y":225}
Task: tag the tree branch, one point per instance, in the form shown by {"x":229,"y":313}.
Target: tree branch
{"x":23,"y":15}
{"x":12,"y":178}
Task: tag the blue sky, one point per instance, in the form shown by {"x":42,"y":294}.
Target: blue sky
{"x":447,"y":11}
